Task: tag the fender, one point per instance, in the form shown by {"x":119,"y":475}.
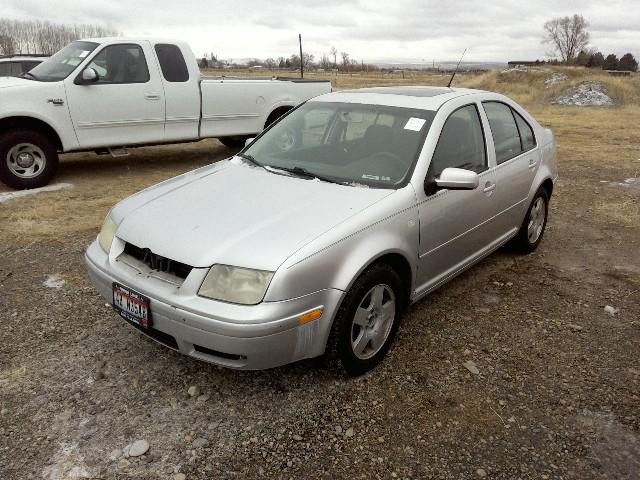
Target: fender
{"x":339,"y":256}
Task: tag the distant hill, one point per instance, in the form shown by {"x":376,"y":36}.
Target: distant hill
{"x":442,"y":65}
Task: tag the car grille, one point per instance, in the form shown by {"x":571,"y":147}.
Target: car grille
{"x":157,"y":262}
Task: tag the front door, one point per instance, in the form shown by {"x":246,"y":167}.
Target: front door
{"x":455,"y":225}
{"x":125,"y":106}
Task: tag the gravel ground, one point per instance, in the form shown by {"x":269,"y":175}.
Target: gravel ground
{"x":525,"y":367}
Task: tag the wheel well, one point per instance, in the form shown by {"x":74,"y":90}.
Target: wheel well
{"x":402,"y":267}
{"x":276,"y":114}
{"x":30,"y":123}
{"x":548,"y":186}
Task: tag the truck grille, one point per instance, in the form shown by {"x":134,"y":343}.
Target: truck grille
{"x":157,"y":262}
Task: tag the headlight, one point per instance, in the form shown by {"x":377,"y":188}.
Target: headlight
{"x":107,"y":233}
{"x":235,"y":285}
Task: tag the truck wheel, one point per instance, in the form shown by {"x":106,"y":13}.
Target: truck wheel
{"x":367,"y":320}
{"x":233,"y":142}
{"x":532,"y":229}
{"x":28,"y":159}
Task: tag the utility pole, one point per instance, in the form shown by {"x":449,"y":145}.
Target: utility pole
{"x":301,"y":58}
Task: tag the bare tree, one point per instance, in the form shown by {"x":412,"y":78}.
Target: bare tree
{"x":334,"y":53}
{"x":345,"y":60}
{"x":567,"y":35}
{"x":33,"y":36}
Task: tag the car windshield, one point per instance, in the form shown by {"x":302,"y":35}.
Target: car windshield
{"x":60,"y":65}
{"x":349,"y":143}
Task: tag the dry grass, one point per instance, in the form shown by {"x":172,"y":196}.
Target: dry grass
{"x":595,"y":144}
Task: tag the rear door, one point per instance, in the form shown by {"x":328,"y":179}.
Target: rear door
{"x":126,"y":105}
{"x":517,"y":158}
{"x":181,"y":91}
{"x":455,"y":225}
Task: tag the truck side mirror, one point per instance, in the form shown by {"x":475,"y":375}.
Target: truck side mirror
{"x":89,"y":75}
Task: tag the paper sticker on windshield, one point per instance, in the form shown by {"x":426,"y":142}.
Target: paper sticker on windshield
{"x":414,"y":124}
{"x":84,"y":53}
{"x":375,"y":177}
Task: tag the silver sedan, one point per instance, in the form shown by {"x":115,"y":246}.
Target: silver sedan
{"x":318,"y":235}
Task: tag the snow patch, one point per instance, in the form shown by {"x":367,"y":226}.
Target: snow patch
{"x":54,"y":281}
{"x":588,"y":94}
{"x":554,"y":79}
{"x":6,"y":196}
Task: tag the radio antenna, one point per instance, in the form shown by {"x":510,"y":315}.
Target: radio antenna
{"x":456,"y":70}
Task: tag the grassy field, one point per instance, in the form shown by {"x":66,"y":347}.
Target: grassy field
{"x":587,"y":137}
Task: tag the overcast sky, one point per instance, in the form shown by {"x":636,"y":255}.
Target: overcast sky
{"x":371,"y":30}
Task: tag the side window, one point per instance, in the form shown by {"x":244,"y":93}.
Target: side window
{"x":121,"y":63}
{"x":5,"y":69}
{"x":172,"y":64}
{"x":504,"y":130}
{"x":16,"y":68}
{"x":461,"y":143}
{"x":26,"y":66}
{"x":526,"y":133}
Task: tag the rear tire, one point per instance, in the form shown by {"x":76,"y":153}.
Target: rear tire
{"x":28,"y":159}
{"x":535,"y":221}
{"x":234,"y":142}
{"x":367,"y":320}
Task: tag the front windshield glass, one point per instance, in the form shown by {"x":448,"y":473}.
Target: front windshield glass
{"x":60,"y":65}
{"x":351,"y":143}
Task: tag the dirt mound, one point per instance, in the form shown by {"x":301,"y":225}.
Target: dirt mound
{"x":588,"y":94}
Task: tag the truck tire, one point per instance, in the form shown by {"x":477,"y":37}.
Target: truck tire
{"x":28,"y":159}
{"x":234,"y":142}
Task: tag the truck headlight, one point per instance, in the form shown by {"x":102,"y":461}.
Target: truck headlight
{"x":107,"y":232}
{"x":235,"y":284}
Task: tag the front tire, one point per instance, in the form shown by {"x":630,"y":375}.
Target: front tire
{"x":233,"y":142}
{"x":28,"y":159}
{"x":367,"y":320}
{"x":535,"y":221}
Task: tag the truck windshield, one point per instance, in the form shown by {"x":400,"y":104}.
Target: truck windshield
{"x":370,"y":145}
{"x":60,"y":65}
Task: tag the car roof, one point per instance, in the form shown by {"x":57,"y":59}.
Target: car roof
{"x":420,"y":97}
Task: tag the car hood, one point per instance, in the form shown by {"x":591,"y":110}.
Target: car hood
{"x":238,"y":215}
{"x":8,"y":82}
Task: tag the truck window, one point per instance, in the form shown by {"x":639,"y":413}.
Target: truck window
{"x":174,"y":68}
{"x":121,"y":63}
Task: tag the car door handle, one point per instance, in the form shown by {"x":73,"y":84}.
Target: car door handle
{"x":532,"y":163}
{"x":489,"y":187}
{"x":152,"y":96}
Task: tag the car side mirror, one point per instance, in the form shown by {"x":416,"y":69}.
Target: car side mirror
{"x":89,"y":75}
{"x":248,"y":141}
{"x":452,"y":179}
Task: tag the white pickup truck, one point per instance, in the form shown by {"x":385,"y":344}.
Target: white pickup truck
{"x":111,"y":93}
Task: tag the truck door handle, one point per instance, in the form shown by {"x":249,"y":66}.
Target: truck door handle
{"x":152,"y":96}
{"x":489,"y":187}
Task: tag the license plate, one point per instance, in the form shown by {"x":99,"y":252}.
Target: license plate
{"x":131,"y":305}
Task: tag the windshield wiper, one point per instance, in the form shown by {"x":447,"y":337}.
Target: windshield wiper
{"x":302,"y":172}
{"x":250,"y":159}
{"x":24,"y":75}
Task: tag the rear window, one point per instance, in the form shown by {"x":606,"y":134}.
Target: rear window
{"x":174,"y":68}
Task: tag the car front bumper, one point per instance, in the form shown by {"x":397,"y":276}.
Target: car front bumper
{"x":248,"y":337}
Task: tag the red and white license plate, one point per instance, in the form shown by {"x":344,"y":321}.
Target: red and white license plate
{"x":131,"y":305}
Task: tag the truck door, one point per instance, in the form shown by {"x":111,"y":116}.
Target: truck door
{"x":125,"y":105}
